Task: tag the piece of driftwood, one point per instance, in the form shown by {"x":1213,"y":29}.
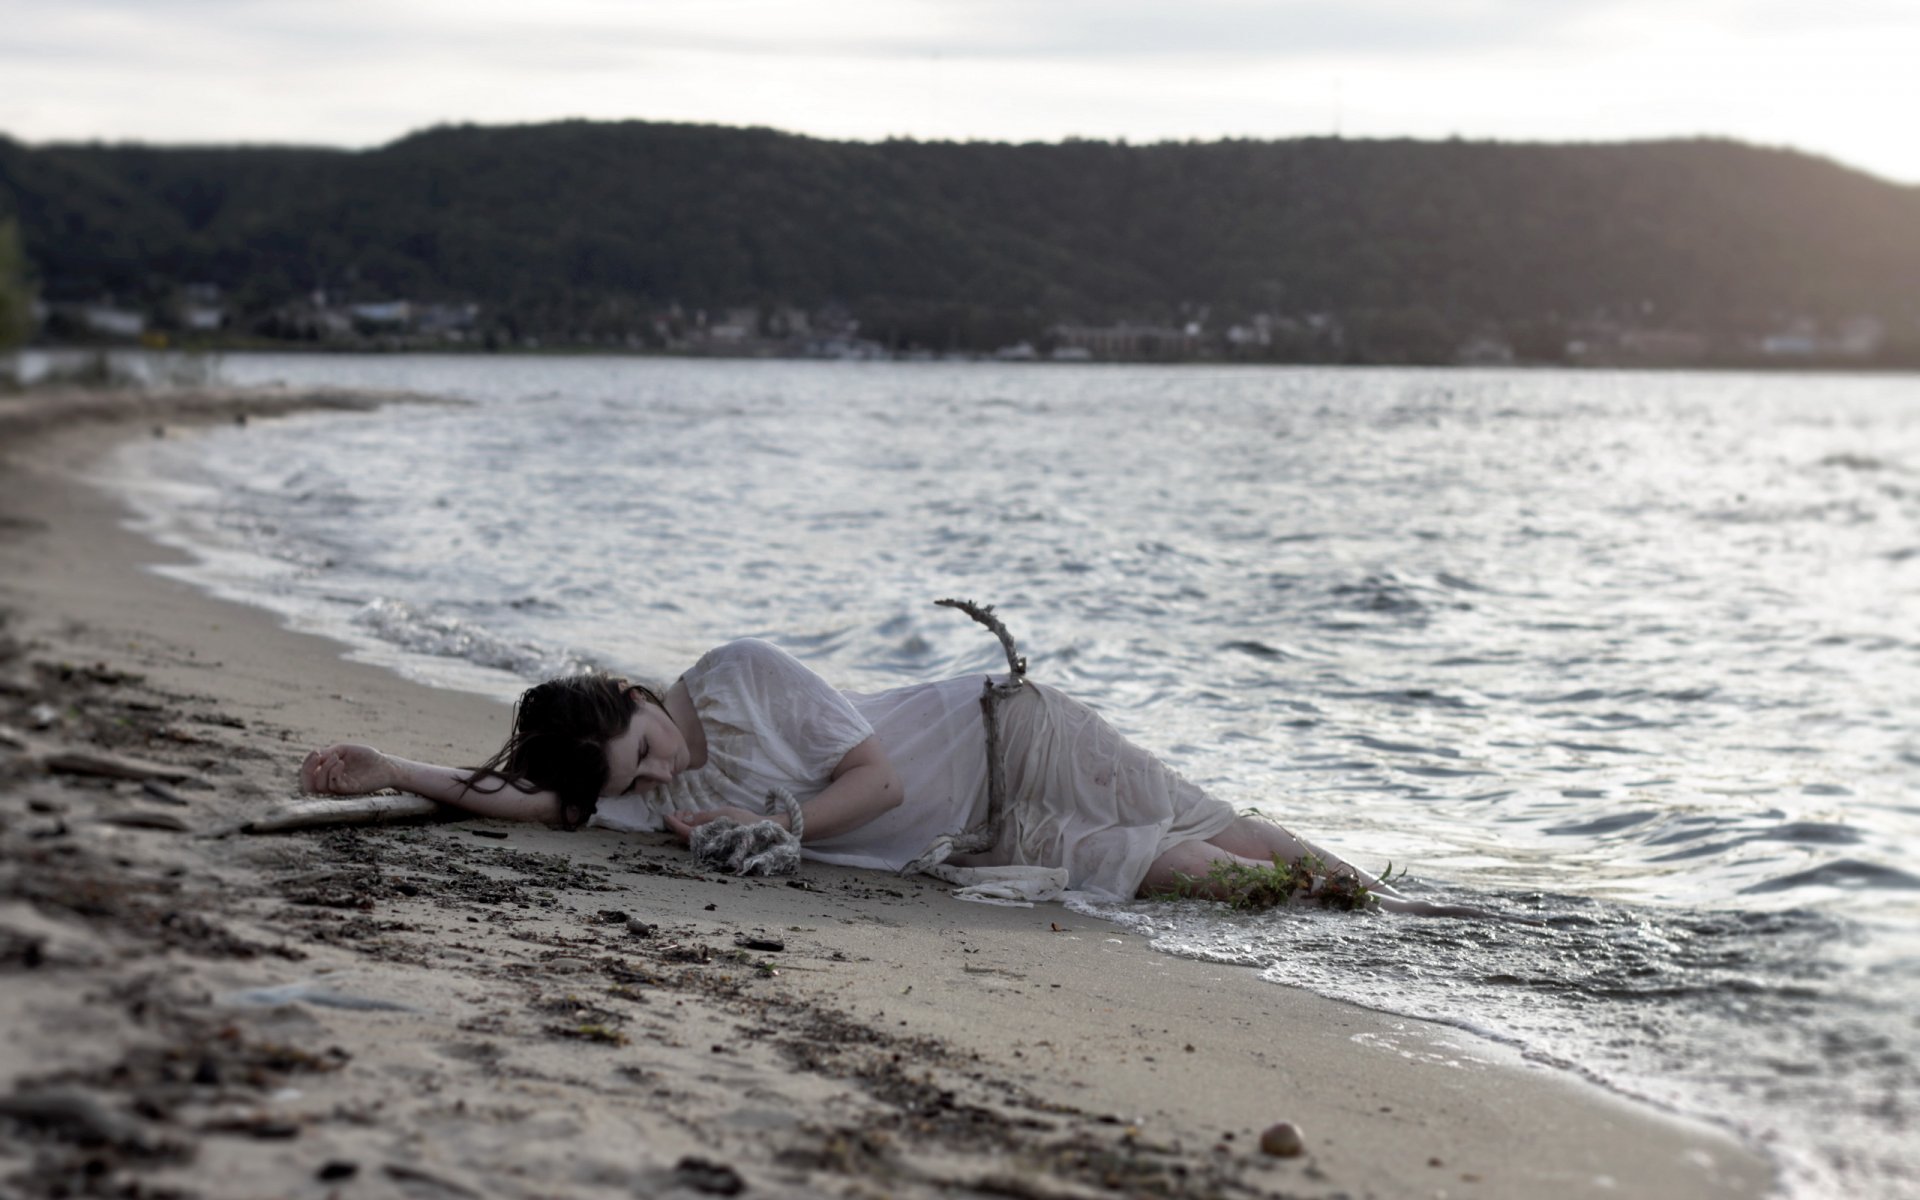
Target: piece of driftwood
{"x":982,"y":836}
{"x":402,"y":1173}
{"x":111,"y":766}
{"x":135,"y":818}
{"x":346,"y":810}
{"x":983,"y":613}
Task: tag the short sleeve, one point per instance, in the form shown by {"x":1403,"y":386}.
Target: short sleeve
{"x":799,"y":725}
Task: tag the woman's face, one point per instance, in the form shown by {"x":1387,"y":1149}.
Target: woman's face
{"x":648,"y":753}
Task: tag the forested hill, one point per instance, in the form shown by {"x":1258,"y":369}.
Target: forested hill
{"x":562,"y":225}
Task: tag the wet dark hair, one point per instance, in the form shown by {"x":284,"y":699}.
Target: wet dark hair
{"x":560,"y":733}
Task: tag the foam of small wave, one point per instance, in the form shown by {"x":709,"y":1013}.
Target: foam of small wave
{"x":424,"y":631}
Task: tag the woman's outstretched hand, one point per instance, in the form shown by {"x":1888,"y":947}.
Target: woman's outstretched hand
{"x":682,"y":824}
{"x":347,"y":769}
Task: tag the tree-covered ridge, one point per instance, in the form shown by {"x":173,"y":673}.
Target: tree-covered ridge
{"x":558,"y":228}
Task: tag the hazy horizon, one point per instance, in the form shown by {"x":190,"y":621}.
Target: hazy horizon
{"x":272,"y":144}
{"x":353,"y":74}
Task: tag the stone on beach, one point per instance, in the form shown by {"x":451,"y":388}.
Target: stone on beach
{"x":1282,"y":1140}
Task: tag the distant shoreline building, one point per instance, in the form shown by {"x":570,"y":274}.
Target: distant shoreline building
{"x":1129,"y":341}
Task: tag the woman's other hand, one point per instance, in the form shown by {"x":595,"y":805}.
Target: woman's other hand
{"x":683,"y":824}
{"x":347,"y":769}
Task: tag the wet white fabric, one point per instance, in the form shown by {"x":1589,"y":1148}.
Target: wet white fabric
{"x":1083,"y":797}
{"x":769,"y":722}
{"x":1012,"y":887}
{"x":1080,"y":796}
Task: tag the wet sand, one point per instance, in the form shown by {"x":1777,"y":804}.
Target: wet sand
{"x":471,"y":1008}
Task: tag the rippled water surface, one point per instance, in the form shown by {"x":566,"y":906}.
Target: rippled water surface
{"x":1638,"y":654}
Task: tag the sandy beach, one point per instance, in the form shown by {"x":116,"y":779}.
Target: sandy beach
{"x":470,"y":1008}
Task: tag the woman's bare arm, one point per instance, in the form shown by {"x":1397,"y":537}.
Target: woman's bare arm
{"x":864,"y":786}
{"x":348,"y":769}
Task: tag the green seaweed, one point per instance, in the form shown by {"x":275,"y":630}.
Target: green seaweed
{"x":1253,"y":887}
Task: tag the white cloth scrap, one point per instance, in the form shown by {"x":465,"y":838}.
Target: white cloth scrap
{"x":1013,"y":887}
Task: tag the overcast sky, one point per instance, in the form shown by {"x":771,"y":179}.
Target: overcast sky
{"x":1834,"y":77}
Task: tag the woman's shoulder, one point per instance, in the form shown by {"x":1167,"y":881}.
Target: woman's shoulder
{"x":743,"y":652}
{"x":752,"y":684}
{"x":752,"y":663}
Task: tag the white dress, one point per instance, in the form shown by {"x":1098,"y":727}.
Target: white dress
{"x":1080,"y":796}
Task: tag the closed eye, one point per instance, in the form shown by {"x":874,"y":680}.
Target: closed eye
{"x":633,"y":785}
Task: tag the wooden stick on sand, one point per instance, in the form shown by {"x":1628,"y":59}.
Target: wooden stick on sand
{"x":348,"y":810}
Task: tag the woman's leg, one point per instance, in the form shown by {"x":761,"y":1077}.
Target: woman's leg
{"x":1249,"y":840}
{"x":1191,"y":861}
{"x":1251,"y":837}
{"x":1262,"y":840}
{"x":1254,"y":839}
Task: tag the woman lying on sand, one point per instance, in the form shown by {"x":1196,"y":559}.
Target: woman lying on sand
{"x":880,"y":776}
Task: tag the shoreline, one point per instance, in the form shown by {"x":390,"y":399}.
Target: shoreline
{"x":1735,"y":365}
{"x":579,"y":1014}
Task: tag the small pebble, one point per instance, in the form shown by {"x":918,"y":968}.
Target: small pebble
{"x":1282,"y":1140}
{"x":708,"y":1177}
{"x":161,"y":792}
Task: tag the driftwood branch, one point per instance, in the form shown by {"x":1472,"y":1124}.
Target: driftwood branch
{"x":983,"y":613}
{"x":111,"y":766}
{"x":350,"y":810}
{"x":984,"y":835}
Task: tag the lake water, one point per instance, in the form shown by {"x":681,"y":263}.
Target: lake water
{"x":1637,"y":654}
